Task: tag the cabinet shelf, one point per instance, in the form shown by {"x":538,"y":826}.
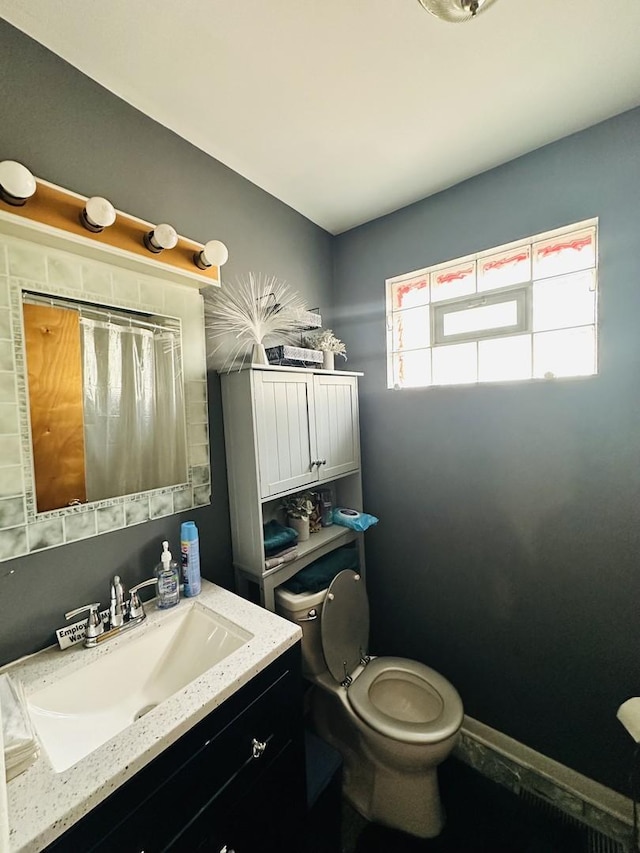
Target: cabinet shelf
{"x":275,"y":499}
{"x":290,"y":369}
{"x":317,"y":545}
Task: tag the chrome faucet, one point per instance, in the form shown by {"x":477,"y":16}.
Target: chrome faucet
{"x":122,"y":614}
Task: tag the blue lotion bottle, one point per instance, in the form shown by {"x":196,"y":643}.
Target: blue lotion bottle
{"x":190,"y":548}
{"x":168,"y":576}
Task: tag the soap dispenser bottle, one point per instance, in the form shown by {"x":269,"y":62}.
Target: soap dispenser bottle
{"x":168,"y":576}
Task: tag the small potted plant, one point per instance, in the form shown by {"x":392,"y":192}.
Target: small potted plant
{"x":329,"y":345}
{"x":298,"y":509}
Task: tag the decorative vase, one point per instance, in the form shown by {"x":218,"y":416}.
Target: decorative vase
{"x":328,"y":359}
{"x":259,"y":355}
{"x":301,"y":525}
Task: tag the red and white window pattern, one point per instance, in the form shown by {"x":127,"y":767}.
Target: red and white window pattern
{"x":527,"y":310}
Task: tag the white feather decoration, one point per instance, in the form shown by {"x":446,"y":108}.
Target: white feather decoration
{"x":258,"y":309}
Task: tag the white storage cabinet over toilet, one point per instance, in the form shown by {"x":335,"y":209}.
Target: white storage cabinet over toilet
{"x":288,"y":430}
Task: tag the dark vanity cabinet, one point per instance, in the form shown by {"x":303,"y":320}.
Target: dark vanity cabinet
{"x":234,"y":782}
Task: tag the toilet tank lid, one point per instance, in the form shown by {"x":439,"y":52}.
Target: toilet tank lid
{"x":299,"y":601}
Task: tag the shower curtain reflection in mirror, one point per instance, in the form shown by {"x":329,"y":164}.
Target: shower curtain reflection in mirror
{"x":106,"y":398}
{"x":133,"y":400}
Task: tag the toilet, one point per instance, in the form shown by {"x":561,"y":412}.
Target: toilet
{"x":392,"y":719}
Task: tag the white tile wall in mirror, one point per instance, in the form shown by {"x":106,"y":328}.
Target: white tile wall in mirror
{"x":25,"y":264}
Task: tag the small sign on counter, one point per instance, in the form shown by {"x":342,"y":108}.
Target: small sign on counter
{"x":76,"y":632}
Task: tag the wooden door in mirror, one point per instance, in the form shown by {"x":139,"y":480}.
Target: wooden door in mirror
{"x":54,"y":368}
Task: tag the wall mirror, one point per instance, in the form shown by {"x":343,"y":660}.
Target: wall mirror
{"x":84,"y":451}
{"x":106,"y":400}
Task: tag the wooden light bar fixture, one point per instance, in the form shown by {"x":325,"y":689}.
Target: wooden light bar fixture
{"x":95,"y":220}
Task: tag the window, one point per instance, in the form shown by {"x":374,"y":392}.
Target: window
{"x":527,"y":310}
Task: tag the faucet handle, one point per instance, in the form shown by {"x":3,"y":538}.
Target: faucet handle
{"x":116,"y":607}
{"x":94,"y":620}
{"x":136,"y":607}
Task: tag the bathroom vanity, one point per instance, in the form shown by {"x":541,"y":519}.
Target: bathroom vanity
{"x":222,"y":783}
{"x":164,"y":748}
{"x":218,"y":765}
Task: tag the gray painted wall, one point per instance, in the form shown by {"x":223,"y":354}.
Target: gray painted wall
{"x":72,"y":132}
{"x":507,"y":551}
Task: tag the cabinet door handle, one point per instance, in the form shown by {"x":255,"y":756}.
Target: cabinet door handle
{"x":258,"y":747}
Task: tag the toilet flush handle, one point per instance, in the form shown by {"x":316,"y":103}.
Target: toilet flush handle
{"x":310,"y":617}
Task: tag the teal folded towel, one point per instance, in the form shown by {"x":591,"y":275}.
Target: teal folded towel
{"x":319,"y":574}
{"x":277,"y":537}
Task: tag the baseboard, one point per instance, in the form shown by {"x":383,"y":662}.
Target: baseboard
{"x":523,"y":770}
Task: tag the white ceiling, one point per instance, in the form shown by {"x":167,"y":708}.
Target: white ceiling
{"x":350,"y":109}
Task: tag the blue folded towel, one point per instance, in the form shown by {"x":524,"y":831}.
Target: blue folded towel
{"x":277,"y":537}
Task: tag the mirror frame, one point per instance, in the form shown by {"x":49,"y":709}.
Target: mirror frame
{"x":38,"y":258}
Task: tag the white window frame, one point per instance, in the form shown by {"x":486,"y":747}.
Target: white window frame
{"x":519,"y":294}
{"x":523,"y":293}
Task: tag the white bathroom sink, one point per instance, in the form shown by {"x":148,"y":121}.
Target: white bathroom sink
{"x":86,"y":708}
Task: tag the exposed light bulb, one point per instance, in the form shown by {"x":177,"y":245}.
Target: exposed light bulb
{"x":17,"y":184}
{"x":161,"y":237}
{"x":97,"y":214}
{"x":213,"y":254}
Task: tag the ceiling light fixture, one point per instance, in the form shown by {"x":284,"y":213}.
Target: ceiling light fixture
{"x":97,"y":214}
{"x":213,"y":254}
{"x":456,"y":11}
{"x":162,"y":237}
{"x":17,"y":184}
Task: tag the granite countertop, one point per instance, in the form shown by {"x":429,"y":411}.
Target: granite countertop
{"x":43,"y":803}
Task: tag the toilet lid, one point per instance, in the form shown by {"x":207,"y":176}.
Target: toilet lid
{"x":406,"y":701}
{"x":344,"y":624}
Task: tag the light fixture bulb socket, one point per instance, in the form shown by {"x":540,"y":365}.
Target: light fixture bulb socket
{"x":161,"y":237}
{"x":213,"y":253}
{"x":97,"y":214}
{"x":17,"y":184}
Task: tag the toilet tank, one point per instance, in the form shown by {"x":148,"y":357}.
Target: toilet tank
{"x":297,"y":607}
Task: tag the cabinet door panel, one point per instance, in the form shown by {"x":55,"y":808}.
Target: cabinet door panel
{"x":336,"y":410}
{"x":286,"y":431}
{"x":253,"y":817}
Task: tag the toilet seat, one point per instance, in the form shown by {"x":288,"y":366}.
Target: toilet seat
{"x":399,"y":698}
{"x":406,"y":700}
